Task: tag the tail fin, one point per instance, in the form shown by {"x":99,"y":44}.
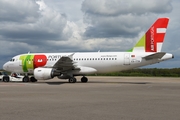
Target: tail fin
{"x":153,"y":39}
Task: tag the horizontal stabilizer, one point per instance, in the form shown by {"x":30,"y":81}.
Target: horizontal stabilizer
{"x":157,"y":55}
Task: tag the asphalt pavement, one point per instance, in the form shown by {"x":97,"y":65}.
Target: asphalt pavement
{"x":102,"y":98}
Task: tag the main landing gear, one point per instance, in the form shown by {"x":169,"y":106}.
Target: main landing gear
{"x":74,"y":80}
{"x":84,"y":79}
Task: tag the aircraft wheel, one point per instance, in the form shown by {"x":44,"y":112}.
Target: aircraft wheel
{"x":84,"y":79}
{"x":32,"y":79}
{"x":26,"y":79}
{"x":5,"y":79}
{"x":72,"y":80}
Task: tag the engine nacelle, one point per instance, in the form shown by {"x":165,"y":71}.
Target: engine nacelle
{"x":45,"y":73}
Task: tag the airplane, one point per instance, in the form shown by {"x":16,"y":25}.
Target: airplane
{"x":46,"y":66}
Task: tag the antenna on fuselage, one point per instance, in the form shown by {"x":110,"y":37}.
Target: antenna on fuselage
{"x":29,"y":52}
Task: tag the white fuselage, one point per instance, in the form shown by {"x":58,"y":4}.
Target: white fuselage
{"x":102,"y":62}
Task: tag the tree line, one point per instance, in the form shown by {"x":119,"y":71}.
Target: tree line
{"x":156,"y":72}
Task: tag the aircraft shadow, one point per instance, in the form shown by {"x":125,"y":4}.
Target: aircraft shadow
{"x":79,"y":82}
{"x":56,"y":83}
{"x":97,"y":82}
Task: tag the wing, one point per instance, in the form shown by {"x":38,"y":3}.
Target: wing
{"x":157,"y":55}
{"x":65,"y":63}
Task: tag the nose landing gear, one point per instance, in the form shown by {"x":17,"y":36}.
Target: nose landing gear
{"x":27,"y":79}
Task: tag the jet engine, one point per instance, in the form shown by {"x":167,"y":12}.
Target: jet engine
{"x":45,"y":73}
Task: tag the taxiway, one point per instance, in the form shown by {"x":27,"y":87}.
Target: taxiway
{"x":102,"y":98}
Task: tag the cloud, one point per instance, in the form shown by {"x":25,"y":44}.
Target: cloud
{"x":48,"y":26}
{"x":47,"y":23}
{"x":123,"y":7}
{"x":119,"y":18}
{"x":18,"y":11}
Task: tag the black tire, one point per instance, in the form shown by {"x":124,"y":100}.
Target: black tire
{"x":26,"y":79}
{"x":84,"y":79}
{"x":6,"y":79}
{"x":32,"y":79}
{"x":72,"y":80}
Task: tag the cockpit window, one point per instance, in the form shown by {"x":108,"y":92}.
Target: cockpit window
{"x":12,"y":60}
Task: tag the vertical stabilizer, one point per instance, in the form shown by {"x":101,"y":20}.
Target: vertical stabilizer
{"x":153,"y":39}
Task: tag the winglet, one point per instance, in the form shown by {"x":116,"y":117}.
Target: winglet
{"x":71,"y":56}
{"x":153,"y":39}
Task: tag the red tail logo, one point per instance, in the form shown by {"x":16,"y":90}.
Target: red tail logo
{"x":155,"y":35}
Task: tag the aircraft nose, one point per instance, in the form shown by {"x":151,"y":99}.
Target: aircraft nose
{"x":5,"y":66}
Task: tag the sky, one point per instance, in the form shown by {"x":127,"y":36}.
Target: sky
{"x":84,"y":26}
